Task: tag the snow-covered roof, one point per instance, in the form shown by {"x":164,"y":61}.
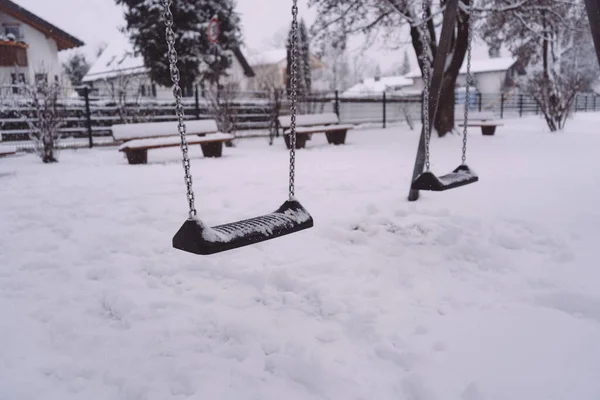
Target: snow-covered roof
{"x":373,"y":86}
{"x":117,"y":58}
{"x":478,"y":66}
{"x":275,"y":56}
{"x":489,"y":65}
{"x":268,"y":57}
{"x":63,"y":39}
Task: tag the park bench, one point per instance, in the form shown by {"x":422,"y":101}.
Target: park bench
{"x":7,"y":150}
{"x":307,"y":124}
{"x":139,"y":138}
{"x":484,"y":119}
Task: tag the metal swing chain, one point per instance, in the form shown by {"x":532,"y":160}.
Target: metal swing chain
{"x":426,"y":66}
{"x":294,"y":98}
{"x":172,"y":55}
{"x":469,"y":82}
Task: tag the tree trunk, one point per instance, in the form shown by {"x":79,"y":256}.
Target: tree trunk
{"x":444,"y":119}
{"x":48,"y":151}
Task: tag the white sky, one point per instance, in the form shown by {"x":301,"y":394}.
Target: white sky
{"x":97,"y":21}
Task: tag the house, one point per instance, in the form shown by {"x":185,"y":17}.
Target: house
{"x":378,"y":85}
{"x":271,"y":71}
{"x":491,"y":75}
{"x":120,"y":70}
{"x":29,"y":47}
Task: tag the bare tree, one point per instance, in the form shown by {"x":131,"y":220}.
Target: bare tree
{"x":39,"y":106}
{"x":337,"y":72}
{"x":336,"y":19}
{"x":222,"y":103}
{"x":46,"y":118}
{"x":125,"y":90}
{"x":553,"y":37}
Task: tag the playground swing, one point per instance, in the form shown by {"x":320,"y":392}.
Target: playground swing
{"x":196,"y":237}
{"x":462,"y":175}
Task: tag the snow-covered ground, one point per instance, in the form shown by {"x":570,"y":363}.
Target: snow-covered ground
{"x":484,"y":292}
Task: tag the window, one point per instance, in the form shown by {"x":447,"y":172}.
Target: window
{"x":16,"y":80}
{"x":14,"y":30}
{"x":143,"y":90}
{"x":40,"y":81}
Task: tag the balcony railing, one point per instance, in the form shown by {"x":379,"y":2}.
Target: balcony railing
{"x":13,"y":54}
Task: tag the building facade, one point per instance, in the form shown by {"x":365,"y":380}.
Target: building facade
{"x":29,"y":47}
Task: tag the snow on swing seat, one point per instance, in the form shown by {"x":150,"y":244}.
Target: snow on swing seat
{"x":196,"y":237}
{"x":461,"y":176}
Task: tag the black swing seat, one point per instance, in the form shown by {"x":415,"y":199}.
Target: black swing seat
{"x":461,"y":176}
{"x":197,"y":238}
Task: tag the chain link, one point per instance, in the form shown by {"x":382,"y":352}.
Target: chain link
{"x":294,"y":98}
{"x":172,"y":56}
{"x":426,"y":66}
{"x":468,"y":83}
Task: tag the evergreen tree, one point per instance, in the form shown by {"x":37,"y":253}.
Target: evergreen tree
{"x":306,"y":70}
{"x":76,"y":67}
{"x":198,"y":59}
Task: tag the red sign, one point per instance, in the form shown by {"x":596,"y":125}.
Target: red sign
{"x":213,"y":30}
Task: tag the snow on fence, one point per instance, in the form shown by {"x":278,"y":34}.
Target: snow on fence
{"x":87,"y":120}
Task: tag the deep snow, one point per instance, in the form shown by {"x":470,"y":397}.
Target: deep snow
{"x":484,"y":292}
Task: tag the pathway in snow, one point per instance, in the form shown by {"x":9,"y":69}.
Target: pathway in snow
{"x":484,"y":292}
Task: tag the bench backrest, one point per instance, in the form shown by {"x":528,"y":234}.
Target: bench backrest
{"x":161,"y":129}
{"x":309,"y":120}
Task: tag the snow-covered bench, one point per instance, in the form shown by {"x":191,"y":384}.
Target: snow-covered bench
{"x":485,"y":119}
{"x":139,"y":138}
{"x":307,"y":124}
{"x":7,"y":150}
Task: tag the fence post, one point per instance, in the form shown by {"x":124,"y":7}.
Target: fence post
{"x":537,"y":108}
{"x":479,"y":100}
{"x":384,"y":107}
{"x":595,"y":101}
{"x":576,"y":98}
{"x":501,"y":105}
{"x":336,"y":106}
{"x":88,"y":115}
{"x":585,"y":103}
{"x":196,"y":102}
{"x":521,"y":105}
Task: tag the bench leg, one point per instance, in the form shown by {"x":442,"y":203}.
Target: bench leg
{"x":137,"y":156}
{"x":488,"y":130}
{"x":300,"y":141}
{"x":336,"y":137}
{"x":214,"y":149}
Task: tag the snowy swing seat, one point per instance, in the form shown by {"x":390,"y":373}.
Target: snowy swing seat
{"x":307,"y":124}
{"x":461,"y":176}
{"x":197,"y":238}
{"x":139,"y":138}
{"x":7,"y":150}
{"x":484,"y":119}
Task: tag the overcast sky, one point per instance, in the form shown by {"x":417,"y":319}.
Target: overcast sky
{"x":97,"y":21}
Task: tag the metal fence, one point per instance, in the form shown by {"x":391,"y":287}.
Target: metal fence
{"x":87,"y":119}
